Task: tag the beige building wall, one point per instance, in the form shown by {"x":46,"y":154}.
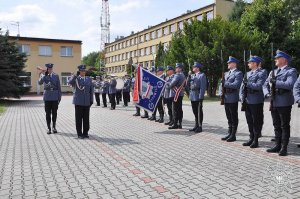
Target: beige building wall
{"x":65,"y":60}
{"x":142,"y":46}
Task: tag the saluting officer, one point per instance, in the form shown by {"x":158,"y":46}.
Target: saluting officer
{"x":284,"y":80}
{"x":297,"y":94}
{"x":97,"y":85}
{"x":159,"y":107}
{"x":104,"y":91}
{"x":83,"y":98}
{"x":177,"y":91}
{"x":197,"y":86}
{"x":52,"y":96}
{"x":254,"y":100}
{"x":167,"y":94}
{"x":126,"y":90}
{"x":233,"y":81}
{"x":112,"y":92}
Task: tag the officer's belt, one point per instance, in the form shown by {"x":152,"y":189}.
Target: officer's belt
{"x":281,"y":91}
{"x":230,"y":90}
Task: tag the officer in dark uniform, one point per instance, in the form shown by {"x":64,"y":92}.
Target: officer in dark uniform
{"x":197,"y":86}
{"x":126,"y":90}
{"x":252,"y":92}
{"x":159,"y":107}
{"x":82,"y":99}
{"x":97,"y":85}
{"x":284,"y":80}
{"x":52,"y":96}
{"x":167,"y":94}
{"x":233,"y":81}
{"x":177,"y":91}
{"x":112,"y":92}
{"x":104,"y":91}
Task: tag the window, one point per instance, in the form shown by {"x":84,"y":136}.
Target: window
{"x":116,"y":47}
{"x":210,"y":15}
{"x":119,"y":46}
{"x":152,"y":49}
{"x":142,"y":52}
{"x":153,"y":35}
{"x":147,"y":37}
{"x":45,"y":50}
{"x":66,"y":51}
{"x":189,"y":21}
{"x":132,"y":42}
{"x":142,"y":38}
{"x":136,"y":40}
{"x":147,"y":50}
{"x":180,"y":25}
{"x":64,"y":78}
{"x":199,"y":17}
{"x":166,"y":30}
{"x":130,"y":53}
{"x":123,"y":56}
{"x":127,"y":43}
{"x":119,"y":57}
{"x":158,"y":33}
{"x":113,"y":48}
{"x":127,"y":55}
{"x":25,"y":79}
{"x":172,"y":28}
{"x":24,"y":48}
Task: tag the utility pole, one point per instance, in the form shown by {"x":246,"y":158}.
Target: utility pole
{"x":16,"y":23}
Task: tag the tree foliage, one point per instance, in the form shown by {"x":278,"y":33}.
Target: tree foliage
{"x":95,"y":62}
{"x":12,"y":64}
{"x":160,"y":55}
{"x":237,"y":10}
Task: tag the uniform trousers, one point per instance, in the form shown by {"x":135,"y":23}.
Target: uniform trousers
{"x":126,"y":98}
{"x":104,"y":99}
{"x":97,"y":98}
{"x":281,"y":121}
{"x":177,"y":109}
{"x":198,"y":111}
{"x":51,"y":108}
{"x":254,"y":118}
{"x":231,"y":110}
{"x":82,"y":117}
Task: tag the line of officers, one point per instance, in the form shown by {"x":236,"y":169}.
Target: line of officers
{"x":287,"y":92}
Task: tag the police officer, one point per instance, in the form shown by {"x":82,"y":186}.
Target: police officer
{"x":284,"y":80}
{"x":83,"y":100}
{"x":52,"y":96}
{"x":159,"y":107}
{"x":104,"y":91}
{"x":297,"y":94}
{"x":126,"y":90}
{"x":97,"y":85}
{"x":233,"y":81}
{"x":252,"y":92}
{"x":112,"y":92}
{"x":167,"y":94}
{"x":176,"y":89}
{"x":196,"y":95}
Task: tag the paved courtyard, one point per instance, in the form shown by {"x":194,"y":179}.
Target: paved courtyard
{"x":130,"y":157}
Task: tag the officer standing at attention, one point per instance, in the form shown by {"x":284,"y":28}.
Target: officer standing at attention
{"x":52,"y":96}
{"x":97,"y":84}
{"x":284,"y":79}
{"x":104,"y":91}
{"x":167,"y":94}
{"x":112,"y":92}
{"x":233,"y":81}
{"x":126,"y":90}
{"x":159,"y":107}
{"x":197,"y":88}
{"x":254,"y":100}
{"x":82,"y":99}
{"x":177,"y":91}
{"x":297,"y":94}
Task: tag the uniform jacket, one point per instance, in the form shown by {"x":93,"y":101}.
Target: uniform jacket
{"x":97,"y":86}
{"x":112,"y":86}
{"x":285,"y":81}
{"x":197,"y":86}
{"x":232,"y":85}
{"x":84,"y":90}
{"x":297,"y":90}
{"x":177,"y":81}
{"x":255,"y":94}
{"x":104,"y":87}
{"x":167,"y":93}
{"x":127,"y":85}
{"x":52,"y":89}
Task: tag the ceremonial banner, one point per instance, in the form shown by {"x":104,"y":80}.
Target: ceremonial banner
{"x":150,"y":89}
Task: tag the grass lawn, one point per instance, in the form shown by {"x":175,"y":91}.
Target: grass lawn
{"x":2,"y":109}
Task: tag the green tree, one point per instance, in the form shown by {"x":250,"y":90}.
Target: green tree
{"x":160,"y":55}
{"x":91,"y":59}
{"x":237,"y":10}
{"x":12,"y":64}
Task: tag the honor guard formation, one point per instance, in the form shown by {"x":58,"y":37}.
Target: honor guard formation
{"x":250,"y":88}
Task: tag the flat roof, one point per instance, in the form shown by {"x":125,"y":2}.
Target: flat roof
{"x":45,"y":39}
{"x":153,"y":27}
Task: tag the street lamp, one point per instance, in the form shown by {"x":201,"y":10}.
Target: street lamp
{"x":16,"y":23}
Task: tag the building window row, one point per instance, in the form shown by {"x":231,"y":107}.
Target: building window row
{"x":116,"y":69}
{"x":45,"y":50}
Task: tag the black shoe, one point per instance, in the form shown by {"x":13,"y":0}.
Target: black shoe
{"x":152,"y":118}
{"x":254,"y":144}
{"x":54,"y":130}
{"x":167,"y":123}
{"x":259,"y":135}
{"x":232,"y":138}
{"x":226,"y":137}
{"x":86,"y":136}
{"x":171,"y":123}
{"x":49,"y":132}
{"x":248,"y":143}
{"x":179,"y":126}
{"x":193,"y":129}
{"x":275,"y":149}
{"x":198,"y":130}
{"x":112,"y":108}
{"x":144,"y":116}
{"x":104,"y":106}
{"x":175,"y":126}
{"x":161,"y":120}
{"x":298,"y":145}
{"x":283,"y":151}
{"x":80,"y":137}
{"x":136,"y":114}
{"x":273,"y":139}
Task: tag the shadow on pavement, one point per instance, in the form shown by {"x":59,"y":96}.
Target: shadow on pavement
{"x":110,"y":141}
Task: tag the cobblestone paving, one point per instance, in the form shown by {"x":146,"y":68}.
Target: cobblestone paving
{"x":130,"y":157}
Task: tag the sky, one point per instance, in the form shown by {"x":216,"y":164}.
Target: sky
{"x":80,"y":19}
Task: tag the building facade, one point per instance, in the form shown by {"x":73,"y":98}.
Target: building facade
{"x":142,"y":46}
{"x":64,"y":54}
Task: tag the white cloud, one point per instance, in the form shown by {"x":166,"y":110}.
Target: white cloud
{"x":130,"y":5}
